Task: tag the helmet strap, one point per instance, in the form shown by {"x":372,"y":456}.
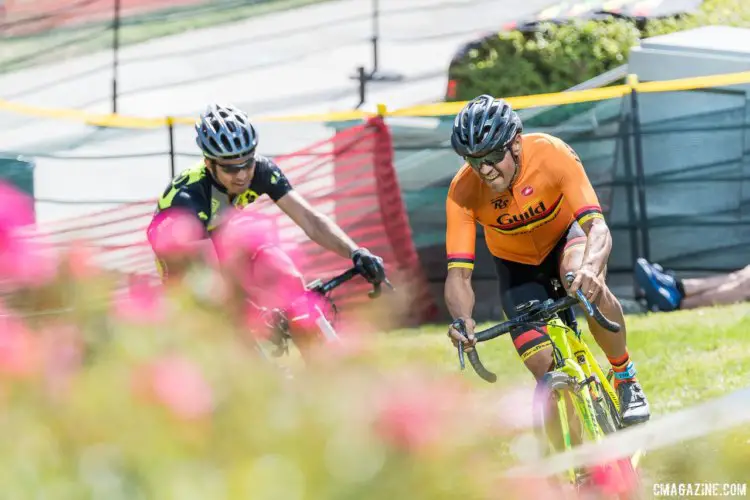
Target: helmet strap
{"x":211,"y":168}
{"x":515,"y":172}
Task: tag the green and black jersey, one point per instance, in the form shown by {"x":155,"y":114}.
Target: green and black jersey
{"x":196,"y":191}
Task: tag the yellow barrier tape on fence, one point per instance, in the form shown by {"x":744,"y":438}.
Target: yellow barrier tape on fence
{"x":101,"y":120}
{"x":700,"y":82}
{"x":61,"y":114}
{"x":424,"y":110}
{"x":334,"y":116}
{"x":135,"y":122}
{"x":121,"y":121}
{"x":519,"y":102}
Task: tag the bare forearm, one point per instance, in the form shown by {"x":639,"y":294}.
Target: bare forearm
{"x":329,"y":235}
{"x":598,"y":247}
{"x":459,"y":295}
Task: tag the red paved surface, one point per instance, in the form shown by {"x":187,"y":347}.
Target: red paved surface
{"x":19,"y":17}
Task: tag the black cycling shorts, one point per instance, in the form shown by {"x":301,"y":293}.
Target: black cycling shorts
{"x":520,"y":283}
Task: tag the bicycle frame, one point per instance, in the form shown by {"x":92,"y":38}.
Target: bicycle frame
{"x":576,"y":357}
{"x":566,"y":363}
{"x":573,"y":357}
{"x":575,"y":370}
{"x":323,"y":324}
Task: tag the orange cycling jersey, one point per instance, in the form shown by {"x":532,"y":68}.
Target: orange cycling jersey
{"x":525,"y":223}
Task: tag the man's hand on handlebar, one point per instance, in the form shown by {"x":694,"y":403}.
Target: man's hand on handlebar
{"x":368,"y":265}
{"x":588,"y":282}
{"x":462,"y":330}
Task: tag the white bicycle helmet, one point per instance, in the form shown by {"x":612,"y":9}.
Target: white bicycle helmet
{"x":225,"y":133}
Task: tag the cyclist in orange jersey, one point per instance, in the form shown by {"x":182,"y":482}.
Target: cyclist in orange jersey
{"x":541,"y":219}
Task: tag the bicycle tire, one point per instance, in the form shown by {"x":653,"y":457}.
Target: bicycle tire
{"x":606,"y":413}
{"x":553,"y":384}
{"x":561,"y":383}
{"x":610,"y":422}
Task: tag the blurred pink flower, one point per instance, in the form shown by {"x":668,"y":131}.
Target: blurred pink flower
{"x":538,"y":488}
{"x":513,"y":407}
{"x":247,"y":250}
{"x":256,"y":321}
{"x":80,"y":261}
{"x":242,"y":234}
{"x":62,"y":347}
{"x":142,"y":302}
{"x":16,"y":208}
{"x":350,"y":346}
{"x":301,"y":317}
{"x":414,"y":414}
{"x":28,"y":263}
{"x":175,"y":232}
{"x":19,"y":353}
{"x":308,"y":307}
{"x":23,"y":261}
{"x":615,"y":478}
{"x":179,"y":385}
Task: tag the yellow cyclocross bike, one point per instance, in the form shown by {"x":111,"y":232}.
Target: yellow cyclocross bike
{"x":576,"y":379}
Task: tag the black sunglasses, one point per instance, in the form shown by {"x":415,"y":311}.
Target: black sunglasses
{"x":230,"y":168}
{"x":491,"y":159}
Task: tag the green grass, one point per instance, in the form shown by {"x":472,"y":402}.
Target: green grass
{"x":21,"y":52}
{"x":683,"y":358}
{"x":159,"y":393}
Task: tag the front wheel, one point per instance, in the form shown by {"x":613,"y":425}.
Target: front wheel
{"x":550,"y":414}
{"x":607,"y":415}
{"x":565,"y":413}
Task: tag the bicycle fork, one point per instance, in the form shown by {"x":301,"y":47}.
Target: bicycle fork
{"x":584,"y":398}
{"x":324,"y":326}
{"x":309,"y":313}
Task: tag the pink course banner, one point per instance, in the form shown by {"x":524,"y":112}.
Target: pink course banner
{"x":26,"y":17}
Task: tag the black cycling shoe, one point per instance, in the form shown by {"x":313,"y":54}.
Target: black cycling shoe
{"x":633,"y":402}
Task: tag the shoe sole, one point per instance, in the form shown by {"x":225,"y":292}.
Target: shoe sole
{"x":643,"y":278}
{"x":635,"y":421}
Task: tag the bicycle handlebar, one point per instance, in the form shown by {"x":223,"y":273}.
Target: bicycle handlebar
{"x":336,"y":281}
{"x":542,"y":314}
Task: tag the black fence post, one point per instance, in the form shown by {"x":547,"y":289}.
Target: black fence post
{"x":376,"y":75}
{"x":170,"y":129}
{"x":115,"y":52}
{"x":375,"y":34}
{"x":626,"y":133}
{"x":362,"y":86}
{"x":639,"y":167}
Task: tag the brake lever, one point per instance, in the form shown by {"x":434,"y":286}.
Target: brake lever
{"x":579,"y":294}
{"x":583,"y":300}
{"x":376,"y":289}
{"x":461,"y":327}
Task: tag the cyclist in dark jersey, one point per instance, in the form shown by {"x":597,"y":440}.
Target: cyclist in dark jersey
{"x":230,"y":177}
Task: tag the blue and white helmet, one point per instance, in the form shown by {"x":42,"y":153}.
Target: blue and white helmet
{"x":483,"y":126}
{"x":225,"y":133}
